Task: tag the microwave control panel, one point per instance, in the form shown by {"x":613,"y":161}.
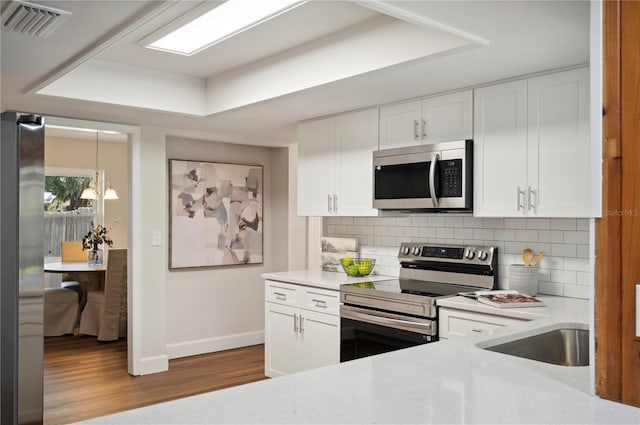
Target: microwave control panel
{"x":451,"y":178}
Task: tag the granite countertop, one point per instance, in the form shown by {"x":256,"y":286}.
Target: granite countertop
{"x":450,"y":381}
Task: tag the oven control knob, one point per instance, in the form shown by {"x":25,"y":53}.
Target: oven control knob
{"x":405,"y":250}
{"x":482,"y":255}
{"x":470,"y":254}
{"x":415,"y":250}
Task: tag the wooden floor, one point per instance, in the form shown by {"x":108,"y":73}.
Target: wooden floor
{"x":84,"y":379}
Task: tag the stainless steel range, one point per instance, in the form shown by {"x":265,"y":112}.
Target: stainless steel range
{"x":383,"y":316}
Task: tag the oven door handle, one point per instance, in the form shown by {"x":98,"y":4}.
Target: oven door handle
{"x":425,"y":327}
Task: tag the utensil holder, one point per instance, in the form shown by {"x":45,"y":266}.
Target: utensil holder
{"x":523,"y":279}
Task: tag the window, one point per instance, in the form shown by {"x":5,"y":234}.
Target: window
{"x":67,"y":217}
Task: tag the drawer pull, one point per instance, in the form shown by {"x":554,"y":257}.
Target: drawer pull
{"x":320,"y":303}
{"x":280,"y":295}
{"x":477,"y":330}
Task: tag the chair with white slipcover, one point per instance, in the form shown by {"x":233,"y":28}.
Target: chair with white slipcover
{"x":61,"y":308}
{"x":105,"y":313}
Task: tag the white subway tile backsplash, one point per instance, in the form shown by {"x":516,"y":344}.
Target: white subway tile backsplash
{"x":563,"y":250}
{"x":565,"y":270}
{"x":484,"y":234}
{"x":454,"y":221}
{"x":583,"y":224}
{"x":577,"y":264}
{"x":551,"y":288}
{"x":444,"y":233}
{"x":563,"y":276}
{"x":462,"y":233}
{"x":419,"y":221}
{"x":539,"y":223}
{"x":494,"y":223}
{"x":515,"y":223}
{"x":576,"y":237}
{"x":436,"y":221}
{"x":527,"y":235}
{"x":555,"y":236}
{"x":582,"y":251}
{"x":563,"y":224}
{"x":504,"y":234}
{"x":576,"y":291}
{"x":473,"y":222}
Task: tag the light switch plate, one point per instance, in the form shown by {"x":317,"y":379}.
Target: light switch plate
{"x":156,"y":239}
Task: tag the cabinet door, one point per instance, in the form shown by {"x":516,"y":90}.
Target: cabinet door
{"x":446,"y":118}
{"x":316,"y":167}
{"x":319,"y":340}
{"x":356,"y":139}
{"x":280,"y":340}
{"x":500,"y":150}
{"x":400,"y":125}
{"x":559,"y":145}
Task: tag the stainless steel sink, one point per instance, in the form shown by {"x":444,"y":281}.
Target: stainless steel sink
{"x":564,"y":346}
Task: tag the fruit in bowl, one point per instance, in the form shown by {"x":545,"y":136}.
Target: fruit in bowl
{"x":357,"y":267}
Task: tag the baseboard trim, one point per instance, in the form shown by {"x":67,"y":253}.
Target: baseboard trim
{"x":149,"y":365}
{"x":211,"y":345}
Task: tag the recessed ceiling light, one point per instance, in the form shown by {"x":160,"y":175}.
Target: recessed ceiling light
{"x":230,"y":18}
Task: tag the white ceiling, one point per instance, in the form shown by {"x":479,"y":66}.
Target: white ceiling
{"x":323,"y":57}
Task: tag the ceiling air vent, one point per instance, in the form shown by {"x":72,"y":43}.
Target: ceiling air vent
{"x":32,"y":19}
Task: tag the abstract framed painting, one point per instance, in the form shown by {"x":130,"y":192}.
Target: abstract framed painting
{"x":215,"y":214}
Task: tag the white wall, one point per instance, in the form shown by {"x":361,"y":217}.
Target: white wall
{"x":210,"y":309}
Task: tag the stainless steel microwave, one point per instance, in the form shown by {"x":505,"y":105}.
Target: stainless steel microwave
{"x":436,"y":177}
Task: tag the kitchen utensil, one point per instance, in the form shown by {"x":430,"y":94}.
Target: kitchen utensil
{"x":538,"y":258}
{"x":527,"y":255}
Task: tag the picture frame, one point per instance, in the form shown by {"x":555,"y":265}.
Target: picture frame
{"x":215,"y":214}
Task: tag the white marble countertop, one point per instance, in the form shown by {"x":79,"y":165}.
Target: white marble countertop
{"x":561,"y":309}
{"x":450,"y":381}
{"x":321,"y":279}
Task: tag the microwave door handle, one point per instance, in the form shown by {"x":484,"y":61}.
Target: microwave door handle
{"x":432,"y":180}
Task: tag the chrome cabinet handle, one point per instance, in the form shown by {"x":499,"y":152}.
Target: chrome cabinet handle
{"x":424,"y":129}
{"x":329,"y":204}
{"x":335,"y":204}
{"x":432,"y":180}
{"x":477,"y":330}
{"x":301,"y":324}
{"x":295,"y":323}
{"x":280,"y":295}
{"x":531,"y":195}
{"x":519,"y":199}
{"x":320,"y":303}
{"x":416,"y":135}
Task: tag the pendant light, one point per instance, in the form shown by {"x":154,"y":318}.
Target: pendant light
{"x":93,"y":190}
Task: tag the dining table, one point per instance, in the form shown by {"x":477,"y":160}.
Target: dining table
{"x":90,"y":276}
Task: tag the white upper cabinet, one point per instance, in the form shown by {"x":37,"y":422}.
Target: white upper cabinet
{"x":335,"y":174}
{"x":559,"y":143}
{"x":432,"y":120}
{"x":532,"y":148}
{"x":400,"y":125}
{"x":500,"y":149}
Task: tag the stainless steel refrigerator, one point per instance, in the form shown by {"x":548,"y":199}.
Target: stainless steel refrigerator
{"x":21,"y":268}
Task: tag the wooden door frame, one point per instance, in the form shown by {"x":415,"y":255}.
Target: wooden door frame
{"x":617,"y":250}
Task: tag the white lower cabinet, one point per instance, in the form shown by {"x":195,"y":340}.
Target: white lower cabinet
{"x":453,"y":322}
{"x":302,"y":328}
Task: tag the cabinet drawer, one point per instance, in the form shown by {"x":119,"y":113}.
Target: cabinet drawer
{"x":462,"y":323}
{"x":282,"y":293}
{"x":322,"y":300}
